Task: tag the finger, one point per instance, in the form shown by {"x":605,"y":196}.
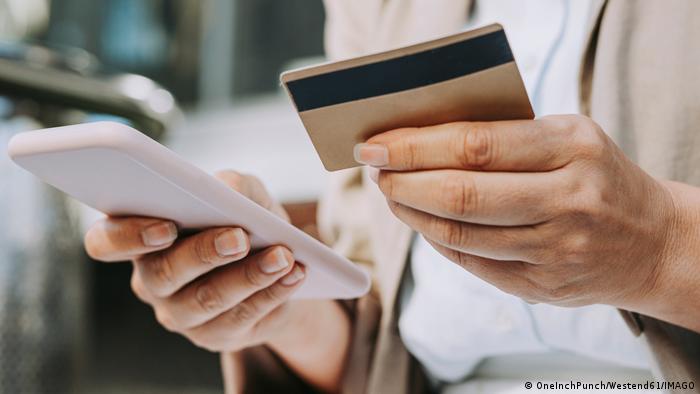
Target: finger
{"x":499,"y":243}
{"x":494,"y":198}
{"x":246,"y":315}
{"x":221,"y":290}
{"x":520,"y":145}
{"x":509,"y":276}
{"x":120,"y":239}
{"x":251,"y":187}
{"x":163,"y":273}
{"x":139,"y":289}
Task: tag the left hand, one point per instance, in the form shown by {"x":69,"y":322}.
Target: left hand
{"x":549,"y":210}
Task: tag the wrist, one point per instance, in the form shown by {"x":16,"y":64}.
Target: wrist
{"x":313,"y":324}
{"x":315,"y":342}
{"x":292,"y":331}
{"x":673,"y":291}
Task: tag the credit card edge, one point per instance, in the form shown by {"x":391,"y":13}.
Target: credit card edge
{"x":346,"y":82}
{"x":318,"y":69}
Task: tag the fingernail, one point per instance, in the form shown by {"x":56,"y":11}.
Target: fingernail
{"x":231,"y":242}
{"x":159,"y":234}
{"x":371,"y":154}
{"x":275,"y":263}
{"x":293,"y":277}
{"x":373,"y":174}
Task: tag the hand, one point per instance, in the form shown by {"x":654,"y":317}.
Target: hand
{"x":549,"y":210}
{"x":192,"y":285}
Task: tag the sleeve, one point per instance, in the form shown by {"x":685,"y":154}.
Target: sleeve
{"x":259,"y":370}
{"x":343,"y":221}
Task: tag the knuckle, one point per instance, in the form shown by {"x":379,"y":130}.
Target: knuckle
{"x":477,"y":148}
{"x":274,"y":294}
{"x":394,"y":207}
{"x":451,"y":233}
{"x":387,"y":184}
{"x":560,"y":123}
{"x":409,"y":152}
{"x":576,"y":247}
{"x":273,"y":320}
{"x":251,"y":273}
{"x":590,"y":140}
{"x":553,"y":284}
{"x":464,"y":260}
{"x":162,"y":274}
{"x":231,"y":178}
{"x":207,"y":297}
{"x":587,"y":204}
{"x":242,"y":314}
{"x":137,"y":287}
{"x":527,"y":288}
{"x":555,"y":293}
{"x":203,"y":342}
{"x":205,"y":251}
{"x":458,"y":195}
{"x":583,"y":122}
{"x":587,"y":197}
{"x":106,"y":238}
{"x":543,"y":248}
{"x":571,"y":187}
{"x":165,"y":320}
{"x":567,"y":125}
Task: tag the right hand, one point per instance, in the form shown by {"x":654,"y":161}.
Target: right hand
{"x":192,"y":285}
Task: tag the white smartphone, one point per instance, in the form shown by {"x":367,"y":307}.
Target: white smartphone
{"x":121,"y":172}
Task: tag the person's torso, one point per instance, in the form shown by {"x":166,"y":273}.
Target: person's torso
{"x":452,"y":321}
{"x":638,"y":81}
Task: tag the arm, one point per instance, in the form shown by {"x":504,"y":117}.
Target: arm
{"x":550,"y":210}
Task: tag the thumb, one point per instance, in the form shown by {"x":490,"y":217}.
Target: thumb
{"x":252,"y":188}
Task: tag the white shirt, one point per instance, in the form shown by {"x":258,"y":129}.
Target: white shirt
{"x":451,"y":320}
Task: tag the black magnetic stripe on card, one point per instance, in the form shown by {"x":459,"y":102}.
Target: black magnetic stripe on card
{"x":402,"y":73}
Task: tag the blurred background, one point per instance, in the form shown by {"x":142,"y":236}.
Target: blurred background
{"x":201,"y":76}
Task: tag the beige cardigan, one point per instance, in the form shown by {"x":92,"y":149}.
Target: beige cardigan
{"x":639,"y":81}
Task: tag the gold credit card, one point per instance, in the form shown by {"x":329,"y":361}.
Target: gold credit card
{"x":470,"y":76}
